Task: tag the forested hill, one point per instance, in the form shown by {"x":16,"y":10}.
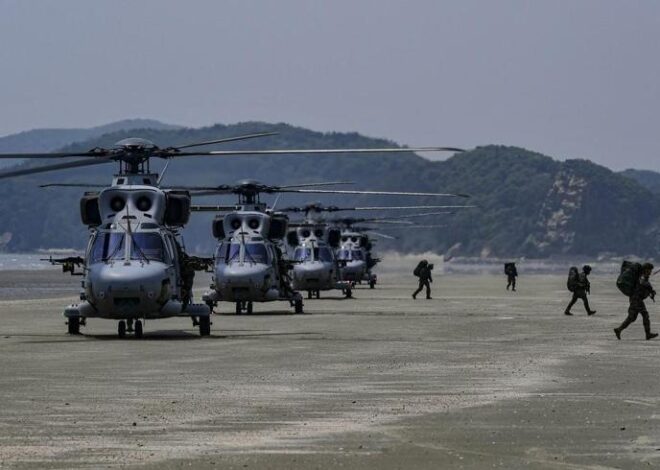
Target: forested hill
{"x":649,"y":179}
{"x":528,"y":204}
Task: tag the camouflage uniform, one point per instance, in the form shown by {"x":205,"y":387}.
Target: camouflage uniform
{"x":425,"y":280}
{"x":637,"y":307}
{"x":511,"y":275}
{"x":582,"y":289}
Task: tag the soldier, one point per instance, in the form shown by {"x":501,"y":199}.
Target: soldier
{"x":187,"y":273}
{"x":582,"y":288}
{"x":511,"y":274}
{"x":643,"y":289}
{"x":423,"y":271}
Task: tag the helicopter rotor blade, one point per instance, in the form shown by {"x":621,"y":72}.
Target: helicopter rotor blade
{"x":376,"y":193}
{"x":45,"y":155}
{"x":416,"y":226}
{"x":227,"y":153}
{"x":262,"y":188}
{"x":207,"y":208}
{"x":59,"y":166}
{"x":382,"y":235}
{"x":308,"y":185}
{"x":227,"y":139}
{"x":375,"y":208}
{"x":73,"y":185}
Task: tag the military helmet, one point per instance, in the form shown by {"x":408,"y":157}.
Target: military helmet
{"x":647,"y":267}
{"x":586,"y":268}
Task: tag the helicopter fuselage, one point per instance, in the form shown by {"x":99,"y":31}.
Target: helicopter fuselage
{"x":248,"y":263}
{"x":133,"y":262}
{"x":353,"y":257}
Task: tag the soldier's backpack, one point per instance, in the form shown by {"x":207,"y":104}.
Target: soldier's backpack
{"x":573,"y":280}
{"x":418,"y":270}
{"x":629,"y":277}
{"x":508,"y":268}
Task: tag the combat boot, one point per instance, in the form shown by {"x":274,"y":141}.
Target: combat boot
{"x":651,"y":336}
{"x":567,"y":312}
{"x":591,"y":312}
{"x":617,"y":332}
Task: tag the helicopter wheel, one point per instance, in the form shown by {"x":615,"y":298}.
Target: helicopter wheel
{"x":74,"y":325}
{"x":239,"y":308}
{"x":309,"y":294}
{"x":121,"y":329}
{"x":138,"y":329}
{"x":298,"y":305}
{"x":204,"y":326}
{"x":318,"y":294}
{"x":249,"y":308}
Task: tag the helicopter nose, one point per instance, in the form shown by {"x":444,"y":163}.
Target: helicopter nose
{"x":242,"y":275}
{"x":128,"y":288}
{"x":309,"y":271}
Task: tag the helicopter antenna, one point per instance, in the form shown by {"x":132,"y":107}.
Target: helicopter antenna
{"x":162,"y":173}
{"x":277,"y":199}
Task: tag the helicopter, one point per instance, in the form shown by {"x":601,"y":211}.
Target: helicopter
{"x":250,"y":265}
{"x":318,"y":246}
{"x":134,"y":266}
{"x":357,"y":242}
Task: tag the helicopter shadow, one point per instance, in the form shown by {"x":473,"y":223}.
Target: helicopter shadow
{"x":174,"y":335}
{"x":282,"y":313}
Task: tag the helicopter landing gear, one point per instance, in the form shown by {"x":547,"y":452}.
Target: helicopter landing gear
{"x":243,"y":307}
{"x":309,"y":294}
{"x":298,"y":306}
{"x":121,"y":329}
{"x":138,"y":329}
{"x":318,"y":294}
{"x":74,"y":325}
{"x":129,"y":325}
{"x":205,"y":326}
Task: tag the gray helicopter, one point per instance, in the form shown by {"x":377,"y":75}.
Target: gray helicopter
{"x":249,"y":262}
{"x":134,"y":268}
{"x":357,"y":242}
{"x":324,"y":259}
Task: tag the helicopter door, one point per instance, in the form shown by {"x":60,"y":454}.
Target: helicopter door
{"x":170,"y":247}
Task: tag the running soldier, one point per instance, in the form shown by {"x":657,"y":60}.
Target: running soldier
{"x":642,"y":290}
{"x":423,"y":272}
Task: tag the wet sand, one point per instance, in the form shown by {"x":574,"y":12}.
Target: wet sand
{"x":475,"y":378}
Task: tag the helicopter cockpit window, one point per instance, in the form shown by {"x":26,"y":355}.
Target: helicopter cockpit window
{"x":256,"y":253}
{"x":221,"y":253}
{"x":107,"y":246}
{"x":228,"y":252}
{"x":323,"y":254}
{"x":233,"y":252}
{"x":357,"y":255}
{"x":302,"y":254}
{"x":147,"y":246}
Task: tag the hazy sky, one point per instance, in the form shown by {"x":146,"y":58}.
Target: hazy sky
{"x":567,"y":78}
